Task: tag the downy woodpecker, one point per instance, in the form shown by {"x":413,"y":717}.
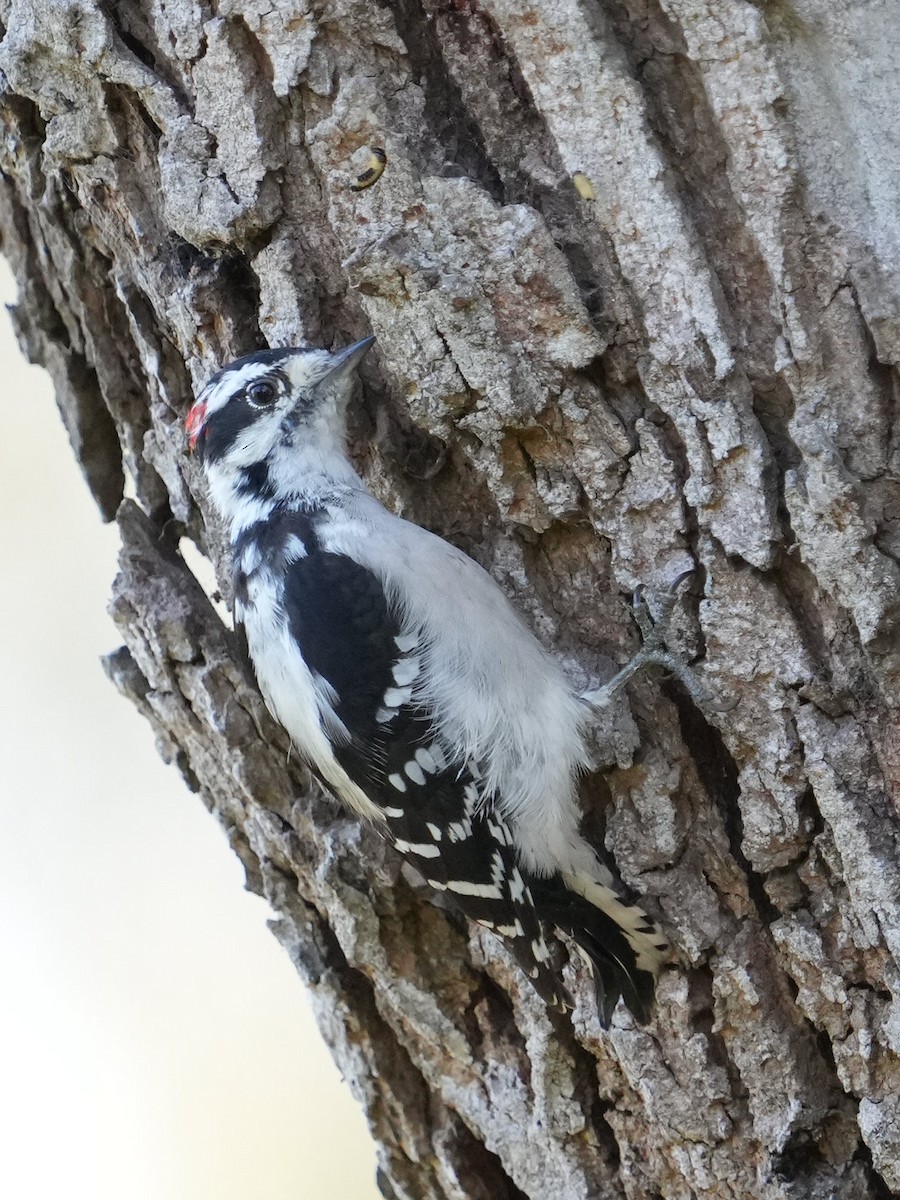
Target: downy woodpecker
{"x":406,"y":680}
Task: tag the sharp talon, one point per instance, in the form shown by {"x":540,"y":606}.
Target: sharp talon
{"x":643,"y":617}
{"x":669,"y":597}
{"x":679,"y":579}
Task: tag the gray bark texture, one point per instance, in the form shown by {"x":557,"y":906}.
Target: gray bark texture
{"x":633,"y":270}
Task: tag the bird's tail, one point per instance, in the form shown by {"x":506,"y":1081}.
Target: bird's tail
{"x":623,"y":948}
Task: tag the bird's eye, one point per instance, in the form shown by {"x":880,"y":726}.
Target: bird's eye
{"x":261,"y":394}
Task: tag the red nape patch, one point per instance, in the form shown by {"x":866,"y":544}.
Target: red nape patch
{"x":194,"y":423}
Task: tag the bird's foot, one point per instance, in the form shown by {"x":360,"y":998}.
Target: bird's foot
{"x":653,"y":653}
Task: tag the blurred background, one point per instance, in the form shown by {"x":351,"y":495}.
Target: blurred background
{"x":155,"y":1041}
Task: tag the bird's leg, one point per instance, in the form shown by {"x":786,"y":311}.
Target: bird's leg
{"x":653,"y":653}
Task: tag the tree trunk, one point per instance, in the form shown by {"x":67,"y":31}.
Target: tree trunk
{"x":633,"y":270}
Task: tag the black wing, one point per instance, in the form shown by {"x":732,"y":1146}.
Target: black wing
{"x":350,"y":635}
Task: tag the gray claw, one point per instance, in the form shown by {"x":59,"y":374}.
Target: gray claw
{"x":653,"y":653}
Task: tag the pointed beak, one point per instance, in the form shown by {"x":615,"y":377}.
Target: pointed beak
{"x":194,"y":423}
{"x":344,"y":361}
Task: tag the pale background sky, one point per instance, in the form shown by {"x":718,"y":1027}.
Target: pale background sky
{"x":155,"y":1041}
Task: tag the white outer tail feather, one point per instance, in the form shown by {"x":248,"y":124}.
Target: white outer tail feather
{"x":650,"y":949}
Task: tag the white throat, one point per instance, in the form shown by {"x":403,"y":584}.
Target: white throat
{"x":299,"y":475}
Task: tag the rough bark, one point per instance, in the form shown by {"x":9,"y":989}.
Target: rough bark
{"x":694,"y":369}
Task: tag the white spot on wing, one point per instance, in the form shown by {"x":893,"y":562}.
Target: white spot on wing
{"x":539,"y":950}
{"x":487,"y":891}
{"x":405,"y":671}
{"x":397,"y":781}
{"x":458,"y":831}
{"x":497,"y":868}
{"x":250,"y":559}
{"x":470,"y":798}
{"x":294,"y":549}
{"x":415,"y":772}
{"x":426,"y":761}
{"x":499,"y":833}
{"x":434,"y":830}
{"x":437,"y":754}
{"x":406,"y":642}
{"x":509,"y":930}
{"x":394,"y":697}
{"x":421,"y":849}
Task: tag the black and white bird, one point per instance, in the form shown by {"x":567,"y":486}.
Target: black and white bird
{"x":406,"y":680}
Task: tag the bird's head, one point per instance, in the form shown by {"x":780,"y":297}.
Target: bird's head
{"x":272,"y":400}
{"x":269,"y":429}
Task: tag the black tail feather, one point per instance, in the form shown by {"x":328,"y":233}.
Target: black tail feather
{"x":612,"y":979}
{"x":604,"y":943}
